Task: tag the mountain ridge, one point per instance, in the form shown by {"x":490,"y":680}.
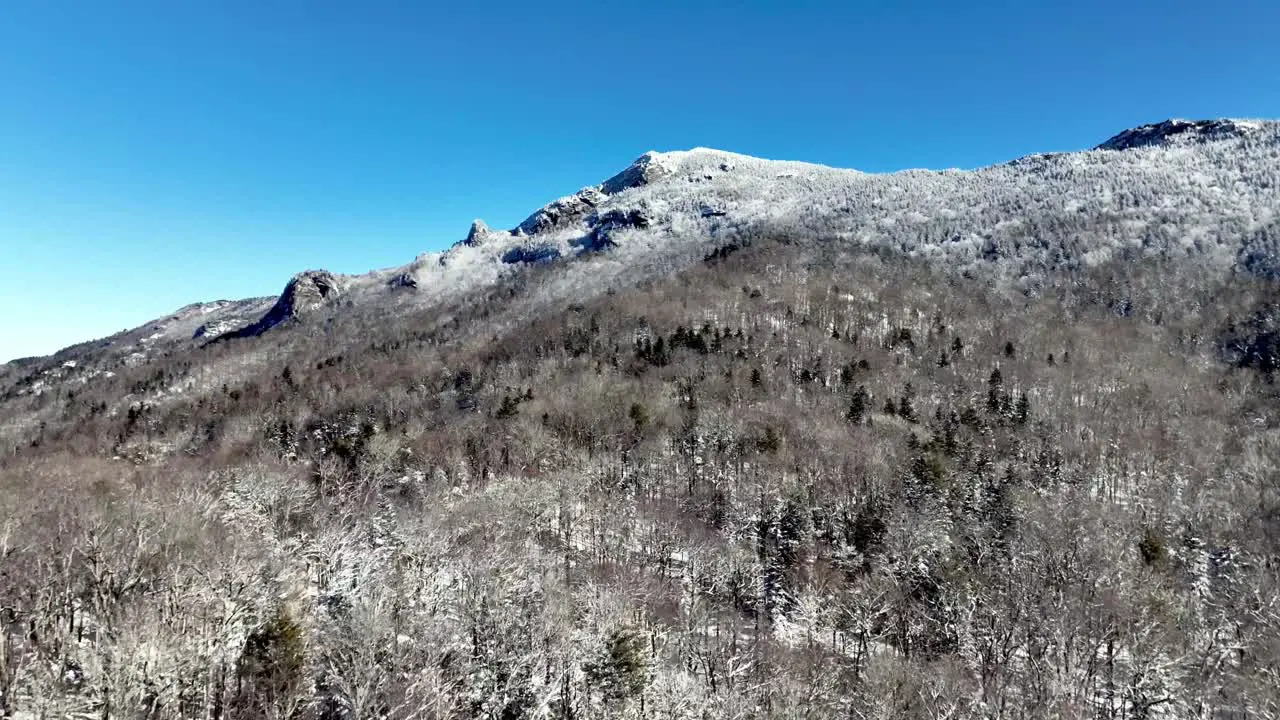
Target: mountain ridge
{"x":714,"y":195}
{"x":597,"y":217}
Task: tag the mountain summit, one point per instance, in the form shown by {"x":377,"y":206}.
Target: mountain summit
{"x":1201,"y":192}
{"x":667,"y":209}
{"x":1175,"y":131}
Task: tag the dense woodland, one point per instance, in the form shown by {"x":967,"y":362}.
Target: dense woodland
{"x":791,"y":481}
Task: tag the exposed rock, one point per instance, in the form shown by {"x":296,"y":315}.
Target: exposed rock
{"x":597,"y":240}
{"x":1171,"y":132}
{"x":480,"y":234}
{"x":304,"y":293}
{"x":614,"y":219}
{"x":604,"y":226}
{"x":534,"y":254}
{"x":562,"y":212}
{"x":213,"y":330}
{"x":646,"y":169}
{"x":404,"y":280}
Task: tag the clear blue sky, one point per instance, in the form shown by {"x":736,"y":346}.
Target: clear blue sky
{"x":155,"y":153}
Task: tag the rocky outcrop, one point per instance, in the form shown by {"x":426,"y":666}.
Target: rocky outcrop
{"x":604,"y":226}
{"x":213,"y":330}
{"x":562,"y":212}
{"x":481,"y":234}
{"x":1173,"y":132}
{"x":646,"y":169}
{"x":615,"y":219}
{"x":304,"y":293}
{"x":404,"y":280}
{"x":531,"y":254}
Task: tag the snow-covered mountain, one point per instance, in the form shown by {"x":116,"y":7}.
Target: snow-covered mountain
{"x":1206,"y":192}
{"x":707,"y":439}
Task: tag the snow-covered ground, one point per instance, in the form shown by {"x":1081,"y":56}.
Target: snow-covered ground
{"x":1203,"y":192}
{"x":1175,"y":189}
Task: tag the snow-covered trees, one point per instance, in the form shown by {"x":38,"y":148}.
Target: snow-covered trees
{"x":805,"y":477}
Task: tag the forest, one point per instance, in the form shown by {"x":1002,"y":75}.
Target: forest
{"x":793,"y":480}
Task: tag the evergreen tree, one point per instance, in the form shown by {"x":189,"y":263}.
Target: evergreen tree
{"x":622,"y":669}
{"x":907,"y":409}
{"x":993,"y":391}
{"x":510,"y":407}
{"x":858,"y":406}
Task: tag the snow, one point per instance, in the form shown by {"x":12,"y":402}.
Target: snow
{"x":1176,"y":187}
{"x":1172,"y":181}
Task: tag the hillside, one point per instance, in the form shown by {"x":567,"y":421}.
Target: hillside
{"x":719,"y":437}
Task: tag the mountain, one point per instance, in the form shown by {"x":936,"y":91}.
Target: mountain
{"x":716,"y":437}
{"x":1072,"y":210}
{"x":1174,"y":132}
{"x":1204,"y":191}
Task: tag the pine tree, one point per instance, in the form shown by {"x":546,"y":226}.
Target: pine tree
{"x":1023,"y":411}
{"x":993,"y":391}
{"x":858,"y":406}
{"x":846,"y":375}
{"x":907,"y":409}
{"x":639,"y":417}
{"x":510,"y":407}
{"x":622,"y":668}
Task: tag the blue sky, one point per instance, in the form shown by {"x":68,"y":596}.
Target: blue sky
{"x":156,"y":153}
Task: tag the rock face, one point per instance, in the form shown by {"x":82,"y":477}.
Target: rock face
{"x":581,"y":209}
{"x":210,"y":331}
{"x":304,"y":293}
{"x":1173,"y":132}
{"x":604,"y":225}
{"x":403,"y":280}
{"x":562,"y":212}
{"x":481,"y":234}
{"x":531,"y":254}
{"x":646,"y":169}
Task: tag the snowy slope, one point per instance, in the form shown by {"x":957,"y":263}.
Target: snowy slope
{"x":1206,"y":192}
{"x":1179,"y":189}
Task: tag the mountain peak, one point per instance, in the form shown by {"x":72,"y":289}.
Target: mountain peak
{"x":1177,"y":131}
{"x":305,"y":292}
{"x":654,"y":166}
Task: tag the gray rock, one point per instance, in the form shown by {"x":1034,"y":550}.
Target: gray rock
{"x":305,"y":292}
{"x":1171,"y":132}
